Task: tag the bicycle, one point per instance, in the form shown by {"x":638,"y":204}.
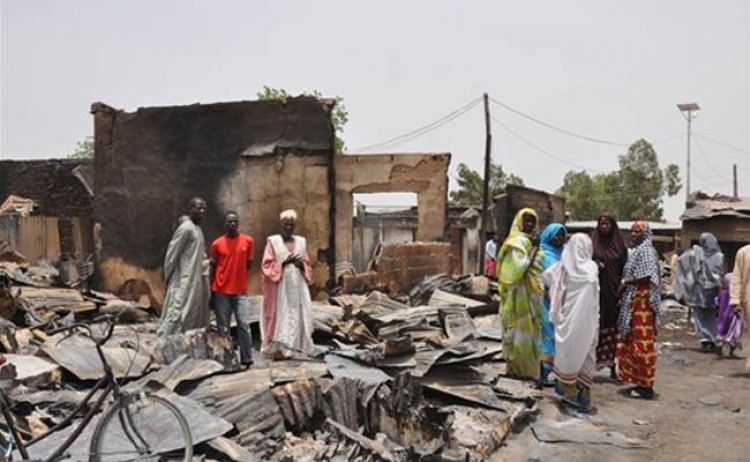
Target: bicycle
{"x":135,"y":427}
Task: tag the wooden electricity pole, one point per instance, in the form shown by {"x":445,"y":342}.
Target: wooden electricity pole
{"x":486,"y":191}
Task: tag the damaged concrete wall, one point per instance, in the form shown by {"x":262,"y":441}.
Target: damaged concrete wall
{"x":423,"y":174}
{"x":257,"y":158}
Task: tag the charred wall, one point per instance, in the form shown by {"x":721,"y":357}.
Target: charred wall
{"x":58,"y":193}
{"x":50,"y":183}
{"x":253,"y":157}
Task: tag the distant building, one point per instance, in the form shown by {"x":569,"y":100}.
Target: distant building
{"x":727,"y":218}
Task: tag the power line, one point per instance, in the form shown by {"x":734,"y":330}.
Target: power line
{"x":540,"y":149}
{"x":703,"y":156}
{"x":556,"y":128}
{"x":721,"y":143}
{"x":406,"y":137}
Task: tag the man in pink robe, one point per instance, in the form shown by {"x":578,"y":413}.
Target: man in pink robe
{"x":287,"y":319}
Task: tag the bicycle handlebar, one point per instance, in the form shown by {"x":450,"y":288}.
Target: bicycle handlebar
{"x":100,"y":340}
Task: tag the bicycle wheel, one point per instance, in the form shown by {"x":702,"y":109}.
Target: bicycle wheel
{"x":141,"y":427}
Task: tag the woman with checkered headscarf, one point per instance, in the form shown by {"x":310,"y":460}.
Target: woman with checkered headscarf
{"x":639,"y":313}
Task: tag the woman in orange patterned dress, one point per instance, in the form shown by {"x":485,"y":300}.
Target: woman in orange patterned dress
{"x":639,"y":313}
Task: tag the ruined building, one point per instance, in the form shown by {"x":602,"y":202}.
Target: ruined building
{"x":257,"y":158}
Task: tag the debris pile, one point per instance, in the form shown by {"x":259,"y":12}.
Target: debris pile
{"x":412,"y":377}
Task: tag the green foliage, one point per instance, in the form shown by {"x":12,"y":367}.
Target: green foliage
{"x":471,"y":185}
{"x":634,"y":192}
{"x":84,"y":149}
{"x":339,"y":115}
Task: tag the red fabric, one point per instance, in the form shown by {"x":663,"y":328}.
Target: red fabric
{"x":231,"y":256}
{"x":272,"y":271}
{"x":490,"y":268}
{"x":636,"y":355}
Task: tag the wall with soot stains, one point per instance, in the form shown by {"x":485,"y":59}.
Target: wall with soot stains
{"x":257,"y":158}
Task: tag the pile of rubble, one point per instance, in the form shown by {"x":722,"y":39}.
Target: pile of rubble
{"x":417,"y":377}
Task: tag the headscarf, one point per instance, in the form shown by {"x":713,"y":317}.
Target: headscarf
{"x":521,"y":241}
{"x":611,"y":253}
{"x":288,"y":214}
{"x":699,"y":272}
{"x":552,"y":254}
{"x":574,"y":294}
{"x":516,"y":232}
{"x":713,"y":260}
{"x":642,"y":263}
{"x":610,"y":248}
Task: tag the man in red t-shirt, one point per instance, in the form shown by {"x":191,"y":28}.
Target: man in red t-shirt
{"x":231,"y":257}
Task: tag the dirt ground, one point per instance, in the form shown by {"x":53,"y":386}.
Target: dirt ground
{"x":701,"y":413}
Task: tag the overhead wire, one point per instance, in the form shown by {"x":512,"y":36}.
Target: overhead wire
{"x":721,"y":143}
{"x":540,"y":149}
{"x":556,"y":128}
{"x":409,"y":136}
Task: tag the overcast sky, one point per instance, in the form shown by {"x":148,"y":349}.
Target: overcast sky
{"x":611,"y":70}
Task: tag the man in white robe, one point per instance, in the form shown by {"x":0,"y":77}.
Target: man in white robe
{"x":186,"y":300}
{"x":287,"y":318}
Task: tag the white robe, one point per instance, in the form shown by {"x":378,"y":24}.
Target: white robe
{"x":574,"y":300}
{"x":293,"y":326}
{"x":185,"y":303}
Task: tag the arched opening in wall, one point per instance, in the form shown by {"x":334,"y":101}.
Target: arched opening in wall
{"x":381,"y":218}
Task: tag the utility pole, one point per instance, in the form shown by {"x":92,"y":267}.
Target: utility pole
{"x":734,"y":181}
{"x":688,"y":109}
{"x":486,"y":191}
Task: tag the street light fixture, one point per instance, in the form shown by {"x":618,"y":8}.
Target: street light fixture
{"x":688,"y":110}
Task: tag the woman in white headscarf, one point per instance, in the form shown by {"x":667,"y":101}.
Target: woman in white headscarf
{"x":287,"y":320}
{"x":574,"y":311}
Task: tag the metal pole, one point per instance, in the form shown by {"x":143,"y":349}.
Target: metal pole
{"x":734,"y":181}
{"x":687,"y":190}
{"x":486,"y":190}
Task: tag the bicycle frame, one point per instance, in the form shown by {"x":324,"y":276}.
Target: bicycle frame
{"x":107,"y":384}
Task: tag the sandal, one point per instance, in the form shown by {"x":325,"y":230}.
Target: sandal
{"x":642,"y":393}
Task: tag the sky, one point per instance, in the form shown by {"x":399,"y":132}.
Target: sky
{"x":612,"y":71}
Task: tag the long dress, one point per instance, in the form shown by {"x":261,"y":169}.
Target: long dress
{"x":552,"y":255}
{"x":699,"y":273}
{"x":287,"y":318}
{"x":187,"y":297}
{"x":731,"y":325}
{"x":640,"y":316}
{"x":521,"y":291}
{"x":611,"y":254}
{"x":739,"y":288}
{"x":574,"y":291}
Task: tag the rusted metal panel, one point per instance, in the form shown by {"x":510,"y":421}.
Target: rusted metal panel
{"x":38,"y":238}
{"x":182,"y":369}
{"x":44,"y":299}
{"x":78,"y":355}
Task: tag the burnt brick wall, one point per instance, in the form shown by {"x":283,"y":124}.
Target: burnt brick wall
{"x":150,"y":162}
{"x":401,"y":266}
{"x":49,"y":183}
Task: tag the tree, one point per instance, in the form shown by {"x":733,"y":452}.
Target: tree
{"x":84,"y":149}
{"x":634,"y":192}
{"x":471,"y":185}
{"x":339,"y":115}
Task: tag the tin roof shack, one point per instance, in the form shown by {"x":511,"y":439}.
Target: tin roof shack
{"x":257,"y":158}
{"x":727,"y":218}
{"x":549,"y":207}
{"x":61,"y":220}
{"x":666,"y":235}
